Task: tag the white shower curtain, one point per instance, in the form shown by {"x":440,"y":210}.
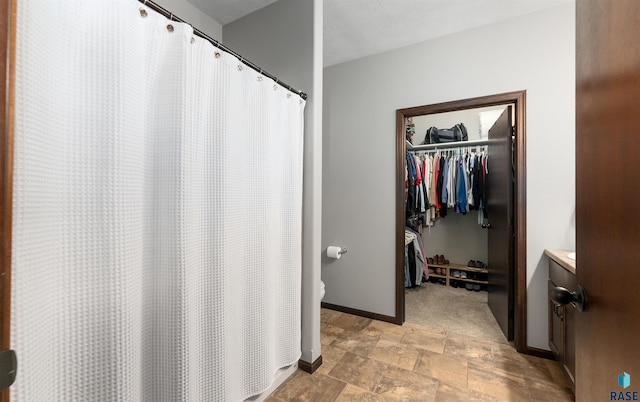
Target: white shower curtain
{"x":157,"y":211}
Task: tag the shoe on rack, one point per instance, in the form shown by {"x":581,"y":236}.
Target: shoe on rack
{"x":476,"y":287}
{"x":456,"y":274}
{"x":468,"y":286}
{"x":453,"y":284}
{"x":471,"y":263}
{"x":479,"y":264}
{"x":463,"y":275}
{"x":430,"y":261}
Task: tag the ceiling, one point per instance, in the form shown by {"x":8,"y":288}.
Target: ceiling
{"x":359,"y":28}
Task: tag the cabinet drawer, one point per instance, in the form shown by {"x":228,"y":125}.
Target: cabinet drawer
{"x":556,"y":328}
{"x":561,"y":277}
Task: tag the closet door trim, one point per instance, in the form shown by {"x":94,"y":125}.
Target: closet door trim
{"x":7,"y":69}
{"x":518,"y":99}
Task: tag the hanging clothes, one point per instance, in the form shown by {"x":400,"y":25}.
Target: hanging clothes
{"x":461,"y":186}
{"x":442,"y":186}
{"x":438,"y":182}
{"x":420,"y":203}
{"x":415,"y":262}
{"x":410,"y":187}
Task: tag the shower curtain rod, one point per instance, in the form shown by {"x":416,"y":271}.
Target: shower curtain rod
{"x":220,"y":46}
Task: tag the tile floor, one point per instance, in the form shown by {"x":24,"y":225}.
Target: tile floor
{"x":369,"y":360}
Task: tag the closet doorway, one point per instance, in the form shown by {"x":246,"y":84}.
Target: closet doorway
{"x":507,"y":220}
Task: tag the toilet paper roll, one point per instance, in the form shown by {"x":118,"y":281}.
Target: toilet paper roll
{"x":334,"y":252}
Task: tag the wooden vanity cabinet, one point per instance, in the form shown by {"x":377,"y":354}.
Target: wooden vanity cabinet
{"x":562,"y":321}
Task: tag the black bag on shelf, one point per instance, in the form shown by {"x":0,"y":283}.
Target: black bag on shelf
{"x":439,"y":135}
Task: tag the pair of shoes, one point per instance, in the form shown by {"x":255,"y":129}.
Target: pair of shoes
{"x":476,"y":287}
{"x":456,"y":274}
{"x":440,"y":260}
{"x":463,"y":275}
{"x":476,"y":264}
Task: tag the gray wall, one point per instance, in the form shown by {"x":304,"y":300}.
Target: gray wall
{"x":285,"y":38}
{"x":536,"y":53}
{"x":458,"y":237}
{"x":195,"y":17}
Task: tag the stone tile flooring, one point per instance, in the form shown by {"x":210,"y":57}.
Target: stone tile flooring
{"x":368,"y":360}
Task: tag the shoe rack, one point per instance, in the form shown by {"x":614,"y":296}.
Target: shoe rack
{"x":451,"y":267}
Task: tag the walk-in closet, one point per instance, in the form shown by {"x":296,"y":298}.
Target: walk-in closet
{"x":456,"y":168}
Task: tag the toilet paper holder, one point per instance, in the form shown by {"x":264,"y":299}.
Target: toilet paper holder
{"x":336,"y":251}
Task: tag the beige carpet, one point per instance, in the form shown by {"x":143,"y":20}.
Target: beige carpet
{"x":452,"y":309}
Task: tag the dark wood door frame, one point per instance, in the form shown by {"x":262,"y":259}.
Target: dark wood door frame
{"x":518,"y":99}
{"x":7,"y":71}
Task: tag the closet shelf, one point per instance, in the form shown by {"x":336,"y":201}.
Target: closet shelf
{"x":449,"y":268}
{"x":460,"y":267}
{"x":443,"y":145}
{"x":468,"y":280}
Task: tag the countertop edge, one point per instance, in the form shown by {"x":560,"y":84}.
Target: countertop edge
{"x":560,"y":256}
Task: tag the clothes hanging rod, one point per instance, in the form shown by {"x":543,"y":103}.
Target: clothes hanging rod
{"x":445,"y":145}
{"x":196,"y":31}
